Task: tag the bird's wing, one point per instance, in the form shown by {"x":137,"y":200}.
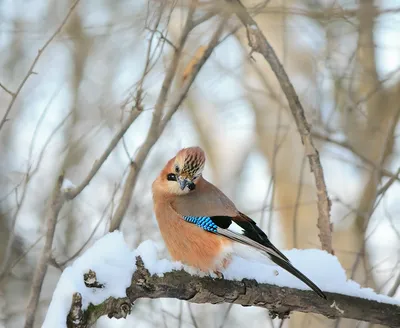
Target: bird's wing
{"x":242,"y":229}
{"x":206,"y":200}
{"x":239,"y":228}
{"x":209,"y":202}
{"x":246,"y":231}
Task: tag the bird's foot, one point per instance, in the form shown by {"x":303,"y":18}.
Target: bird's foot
{"x":219,"y":275}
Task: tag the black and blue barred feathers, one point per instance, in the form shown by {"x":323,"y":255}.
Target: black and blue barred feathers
{"x":204,"y":222}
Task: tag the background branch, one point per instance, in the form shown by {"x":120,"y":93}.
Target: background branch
{"x":158,"y":124}
{"x":71,"y":194}
{"x":259,"y":43}
{"x":349,"y":147}
{"x":56,"y":202}
{"x":15,"y":94}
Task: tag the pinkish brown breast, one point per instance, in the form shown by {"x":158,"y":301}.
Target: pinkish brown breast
{"x":190,"y":244}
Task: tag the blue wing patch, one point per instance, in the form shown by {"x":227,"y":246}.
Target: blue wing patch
{"x":204,"y":222}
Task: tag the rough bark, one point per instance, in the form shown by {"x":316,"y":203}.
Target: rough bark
{"x":280,"y":301}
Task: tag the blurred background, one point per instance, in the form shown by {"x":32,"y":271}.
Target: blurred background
{"x":343,"y":58}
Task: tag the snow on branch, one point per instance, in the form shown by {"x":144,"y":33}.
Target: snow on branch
{"x":108,"y":278}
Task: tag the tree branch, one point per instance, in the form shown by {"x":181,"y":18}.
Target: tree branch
{"x":56,"y":203}
{"x":280,"y":301}
{"x":15,"y":94}
{"x":159,"y":123}
{"x":136,"y":111}
{"x":349,"y":147}
{"x":260,"y":44}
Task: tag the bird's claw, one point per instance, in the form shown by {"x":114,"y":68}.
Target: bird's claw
{"x":219,"y":274}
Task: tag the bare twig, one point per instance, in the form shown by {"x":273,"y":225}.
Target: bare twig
{"x":334,"y":12}
{"x":7,"y":90}
{"x":387,"y":185}
{"x":390,"y":219}
{"x":350,"y":148}
{"x":159,"y":123}
{"x":226,"y":315}
{"x":56,"y":201}
{"x":395,"y":286}
{"x":260,"y":44}
{"x":7,"y":256}
{"x":136,"y":111}
{"x":192,"y":316}
{"x":78,"y":252}
{"x":6,"y":267}
{"x":32,"y":246}
{"x":15,"y":94}
{"x":71,"y":194}
{"x":374,"y":179}
{"x":280,"y":301}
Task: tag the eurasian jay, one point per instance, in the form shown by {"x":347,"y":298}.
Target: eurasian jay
{"x":199,"y":224}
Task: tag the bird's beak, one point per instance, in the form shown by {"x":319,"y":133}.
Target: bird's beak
{"x":183,"y":183}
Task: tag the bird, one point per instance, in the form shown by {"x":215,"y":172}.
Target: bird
{"x":200,"y":224}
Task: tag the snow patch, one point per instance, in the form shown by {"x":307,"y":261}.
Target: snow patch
{"x":149,"y":252}
{"x":319,"y":266}
{"x":67,"y":184}
{"x":114,"y":263}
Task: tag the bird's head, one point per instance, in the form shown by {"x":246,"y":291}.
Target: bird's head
{"x":184,"y":170}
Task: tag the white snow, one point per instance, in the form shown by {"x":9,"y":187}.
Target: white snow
{"x":321,"y":267}
{"x":148,"y":251}
{"x":114,"y":264}
{"x":67,"y":184}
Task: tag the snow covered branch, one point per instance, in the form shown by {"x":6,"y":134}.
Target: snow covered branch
{"x":109,"y":278}
{"x":279,"y":301}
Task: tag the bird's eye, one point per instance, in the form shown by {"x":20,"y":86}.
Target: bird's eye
{"x":192,"y":186}
{"x":176,"y":169}
{"x":171,"y":177}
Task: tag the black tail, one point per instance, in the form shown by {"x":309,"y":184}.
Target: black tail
{"x":291,"y":269}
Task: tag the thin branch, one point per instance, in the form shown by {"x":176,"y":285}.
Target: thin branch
{"x":395,"y":286}
{"x":374,"y":179}
{"x":7,"y":256}
{"x":226,"y":315}
{"x":280,"y":301}
{"x":260,"y":44}
{"x":25,"y":253}
{"x":387,"y":185}
{"x":56,"y":202}
{"x":106,"y":209}
{"x":350,"y":148}
{"x":327,"y":14}
{"x":159,"y":123}
{"x":7,"y":267}
{"x":192,"y":316}
{"x":31,"y":68}
{"x":152,"y":135}
{"x":71,"y":194}
{"x":390,"y":219}
{"x":7,"y":90}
